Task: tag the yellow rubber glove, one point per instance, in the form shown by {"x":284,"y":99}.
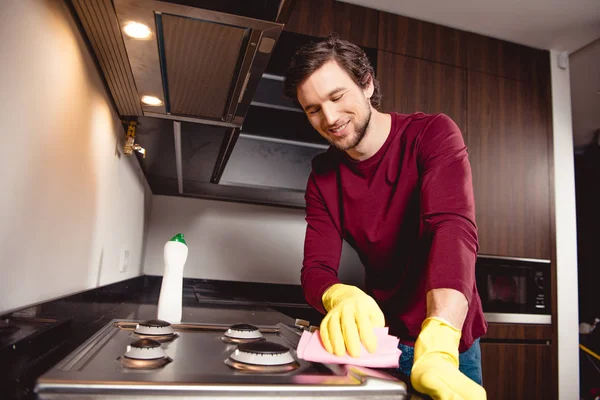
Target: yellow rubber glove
{"x":351,"y":317}
{"x":435,"y":370}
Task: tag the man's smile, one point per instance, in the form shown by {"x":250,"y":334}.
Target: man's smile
{"x":338,"y":130}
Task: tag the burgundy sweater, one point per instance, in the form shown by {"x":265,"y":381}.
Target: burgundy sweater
{"x":409,"y":213}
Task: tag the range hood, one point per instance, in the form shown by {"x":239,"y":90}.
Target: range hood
{"x":203,"y":65}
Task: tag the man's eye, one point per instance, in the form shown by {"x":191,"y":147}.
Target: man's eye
{"x":337,"y":98}
{"x":313,"y":111}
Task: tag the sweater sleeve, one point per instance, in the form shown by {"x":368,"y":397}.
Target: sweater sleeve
{"x":448,"y":207}
{"x":322,"y":248}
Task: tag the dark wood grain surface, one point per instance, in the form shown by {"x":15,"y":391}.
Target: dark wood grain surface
{"x":517,"y":371}
{"x":351,"y":22}
{"x":356,"y":24}
{"x":508,"y":149}
{"x":311,"y":17}
{"x":408,"y":36}
{"x":518,"y":331}
{"x":409,"y":85}
{"x":506,"y":59}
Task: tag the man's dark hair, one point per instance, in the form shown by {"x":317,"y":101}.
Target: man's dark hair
{"x":348,"y":56}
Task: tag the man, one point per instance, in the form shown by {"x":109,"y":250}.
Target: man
{"x":398,"y":189}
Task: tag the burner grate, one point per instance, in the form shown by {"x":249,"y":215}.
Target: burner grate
{"x":242,"y":333}
{"x":262,"y":369}
{"x":262,"y":357}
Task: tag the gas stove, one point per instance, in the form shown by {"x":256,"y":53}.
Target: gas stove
{"x":154,"y":359}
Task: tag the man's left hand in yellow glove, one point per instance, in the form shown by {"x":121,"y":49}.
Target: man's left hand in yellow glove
{"x":435,"y":369}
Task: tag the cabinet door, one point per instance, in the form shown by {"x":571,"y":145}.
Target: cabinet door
{"x":517,"y":371}
{"x":506,"y":59}
{"x":322,"y":17}
{"x":509,"y":151}
{"x":356,"y":24}
{"x":311,"y":17}
{"x":411,"y":37}
{"x":409,"y":85}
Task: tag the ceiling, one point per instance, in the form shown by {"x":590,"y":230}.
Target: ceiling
{"x":564,"y":25}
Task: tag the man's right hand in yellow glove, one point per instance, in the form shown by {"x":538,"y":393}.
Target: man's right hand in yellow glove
{"x":351,"y":317}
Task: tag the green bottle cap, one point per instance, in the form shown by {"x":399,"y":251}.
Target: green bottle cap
{"x":178,"y":238}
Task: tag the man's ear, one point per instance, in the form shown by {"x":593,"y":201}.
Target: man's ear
{"x":369,"y":88}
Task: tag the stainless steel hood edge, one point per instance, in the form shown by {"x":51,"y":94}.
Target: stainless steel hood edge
{"x":212,"y":83}
{"x":232,"y":71}
{"x":99,"y":21}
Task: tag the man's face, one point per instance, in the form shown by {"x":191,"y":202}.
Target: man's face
{"x":336,"y":106}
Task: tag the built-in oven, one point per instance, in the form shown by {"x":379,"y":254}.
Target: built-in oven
{"x":514,"y":290}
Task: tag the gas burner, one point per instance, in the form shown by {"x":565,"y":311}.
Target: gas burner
{"x":242,"y":333}
{"x":144,"y":354}
{"x":263,"y":356}
{"x":155,"y":329}
{"x":7,"y":328}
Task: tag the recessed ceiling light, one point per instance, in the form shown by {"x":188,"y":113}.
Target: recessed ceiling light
{"x":137,"y":30}
{"x":152,"y":101}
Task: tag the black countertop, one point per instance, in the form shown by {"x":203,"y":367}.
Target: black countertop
{"x":71,"y":320}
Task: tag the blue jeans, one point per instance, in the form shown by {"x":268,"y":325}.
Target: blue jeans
{"x":469,"y":361}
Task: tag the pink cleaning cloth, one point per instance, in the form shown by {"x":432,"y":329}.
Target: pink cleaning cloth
{"x":310,"y":348}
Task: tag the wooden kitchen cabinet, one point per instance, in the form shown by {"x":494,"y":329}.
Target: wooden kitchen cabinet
{"x":508,"y":60}
{"x":515,"y":332}
{"x":410,"y":84}
{"x":420,"y":39}
{"x":509,"y":150}
{"x":498,"y":94}
{"x":356,"y":24}
{"x":517,"y":362}
{"x":311,"y":17}
{"x":322,"y":17}
{"x":517,"y":371}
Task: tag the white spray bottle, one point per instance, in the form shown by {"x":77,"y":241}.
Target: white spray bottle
{"x":171,"y":290}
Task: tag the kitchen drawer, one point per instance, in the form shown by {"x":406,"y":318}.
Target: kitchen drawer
{"x":517,"y":371}
{"x":522,"y":332}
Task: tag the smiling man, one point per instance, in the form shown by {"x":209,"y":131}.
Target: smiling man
{"x":397,"y":188}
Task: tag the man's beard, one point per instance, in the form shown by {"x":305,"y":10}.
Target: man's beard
{"x":357,"y":136}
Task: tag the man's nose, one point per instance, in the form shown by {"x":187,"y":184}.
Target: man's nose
{"x":330,"y":115}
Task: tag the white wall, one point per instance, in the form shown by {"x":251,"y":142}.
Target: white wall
{"x":566,"y":233}
{"x":71,"y":202}
{"x":235,"y":241}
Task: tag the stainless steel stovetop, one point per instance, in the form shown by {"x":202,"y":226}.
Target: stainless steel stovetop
{"x":152,"y":359}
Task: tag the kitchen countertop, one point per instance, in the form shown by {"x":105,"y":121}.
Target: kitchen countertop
{"x":81,"y":315}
